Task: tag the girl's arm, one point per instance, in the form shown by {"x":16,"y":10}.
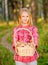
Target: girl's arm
{"x":14,"y":38}
{"x":35,"y":36}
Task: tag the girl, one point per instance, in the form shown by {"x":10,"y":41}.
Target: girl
{"x":25,"y":21}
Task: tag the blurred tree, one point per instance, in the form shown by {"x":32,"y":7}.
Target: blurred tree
{"x":23,"y":5}
{"x":10,"y":9}
{"x":34,"y":10}
{"x":13,"y":7}
{"x":45,"y":9}
{"x":1,"y":12}
{"x":11,"y":3}
{"x":40,"y":8}
{"x":17,"y":4}
{"x":6,"y":11}
{"x":3,"y":8}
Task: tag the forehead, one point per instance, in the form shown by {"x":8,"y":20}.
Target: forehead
{"x":25,"y":13}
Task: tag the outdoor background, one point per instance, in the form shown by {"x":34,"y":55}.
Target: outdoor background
{"x":9,"y":10}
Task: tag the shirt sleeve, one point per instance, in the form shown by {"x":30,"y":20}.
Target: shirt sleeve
{"x":35,"y":36}
{"x":14,"y":38}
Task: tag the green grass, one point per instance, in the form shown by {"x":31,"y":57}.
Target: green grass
{"x":9,"y":39}
{"x":43,"y":60}
{"x":43,"y":43}
{"x":6,"y":57}
{"x":2,"y":28}
{"x":1,"y":35}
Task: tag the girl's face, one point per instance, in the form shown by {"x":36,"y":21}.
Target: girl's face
{"x":25,"y":17}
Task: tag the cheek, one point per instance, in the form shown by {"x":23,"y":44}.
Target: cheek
{"x":22,"y":19}
{"x":28,"y":18}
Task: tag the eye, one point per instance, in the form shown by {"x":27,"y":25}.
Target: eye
{"x":27,"y":16}
{"x":23,"y":16}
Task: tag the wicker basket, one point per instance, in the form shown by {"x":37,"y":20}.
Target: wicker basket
{"x":25,"y":50}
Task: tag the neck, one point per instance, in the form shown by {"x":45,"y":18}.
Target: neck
{"x":24,"y":24}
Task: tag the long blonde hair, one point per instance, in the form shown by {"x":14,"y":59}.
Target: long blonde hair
{"x":29,"y":13}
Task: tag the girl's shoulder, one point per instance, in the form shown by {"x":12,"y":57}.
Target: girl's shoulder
{"x":15,"y":28}
{"x":33,"y":28}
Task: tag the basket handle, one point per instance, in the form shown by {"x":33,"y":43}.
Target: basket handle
{"x":27,"y":30}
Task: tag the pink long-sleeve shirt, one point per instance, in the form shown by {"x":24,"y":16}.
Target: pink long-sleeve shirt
{"x":25,"y":37}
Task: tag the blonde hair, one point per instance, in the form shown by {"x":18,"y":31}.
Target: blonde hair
{"x":30,"y":17}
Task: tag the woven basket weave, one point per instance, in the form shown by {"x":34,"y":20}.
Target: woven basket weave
{"x":25,"y":50}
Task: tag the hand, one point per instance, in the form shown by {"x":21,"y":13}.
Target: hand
{"x":31,"y":44}
{"x":23,"y":44}
{"x":16,"y":51}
